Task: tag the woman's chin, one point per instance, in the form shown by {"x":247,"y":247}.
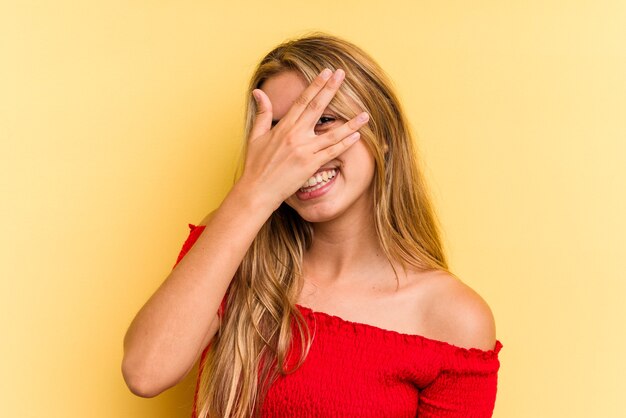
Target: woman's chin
{"x":315,"y":214}
{"x":316,"y":218}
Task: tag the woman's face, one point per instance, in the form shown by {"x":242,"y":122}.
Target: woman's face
{"x":350,"y":190}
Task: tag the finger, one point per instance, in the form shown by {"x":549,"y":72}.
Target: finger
{"x":263,"y":119}
{"x":318,"y":104}
{"x":301,"y":103}
{"x":329,"y":153}
{"x":335,"y":135}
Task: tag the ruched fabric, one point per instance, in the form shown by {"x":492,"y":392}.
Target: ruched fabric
{"x":360,"y":370}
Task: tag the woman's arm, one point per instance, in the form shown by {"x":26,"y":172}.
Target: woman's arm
{"x":467,"y":384}
{"x":166,"y":337}
{"x":455,"y":394}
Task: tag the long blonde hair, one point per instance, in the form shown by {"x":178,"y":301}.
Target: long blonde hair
{"x":249,"y":351}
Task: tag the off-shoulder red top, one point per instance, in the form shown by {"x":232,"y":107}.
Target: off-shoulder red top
{"x":360,"y":370}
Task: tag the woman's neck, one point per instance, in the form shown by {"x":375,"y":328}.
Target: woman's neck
{"x":343,"y":250}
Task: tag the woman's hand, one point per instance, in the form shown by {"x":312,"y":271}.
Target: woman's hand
{"x":279,"y":160}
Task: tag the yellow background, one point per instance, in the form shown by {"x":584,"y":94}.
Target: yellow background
{"x":120,"y":123}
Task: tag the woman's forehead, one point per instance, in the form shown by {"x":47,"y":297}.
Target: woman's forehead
{"x":283,"y":89}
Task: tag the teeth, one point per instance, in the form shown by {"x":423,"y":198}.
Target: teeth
{"x":319,"y":179}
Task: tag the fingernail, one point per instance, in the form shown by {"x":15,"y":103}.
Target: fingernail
{"x":339,"y":73}
{"x":326,"y":73}
{"x":255,"y":94}
{"x":363,"y":117}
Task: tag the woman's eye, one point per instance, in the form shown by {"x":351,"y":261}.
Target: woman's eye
{"x":324,"y":120}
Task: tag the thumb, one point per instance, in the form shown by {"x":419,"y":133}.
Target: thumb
{"x":263,"y":119}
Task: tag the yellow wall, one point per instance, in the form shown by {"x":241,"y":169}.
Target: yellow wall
{"x":120,"y":123}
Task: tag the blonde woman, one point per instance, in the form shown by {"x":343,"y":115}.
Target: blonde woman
{"x":319,"y":287}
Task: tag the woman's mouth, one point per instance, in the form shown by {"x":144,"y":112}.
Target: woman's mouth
{"x":318,"y":184}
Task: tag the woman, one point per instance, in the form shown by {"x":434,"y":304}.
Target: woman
{"x":319,"y":287}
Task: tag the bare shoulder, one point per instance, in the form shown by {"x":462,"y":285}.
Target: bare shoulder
{"x":457,"y":314}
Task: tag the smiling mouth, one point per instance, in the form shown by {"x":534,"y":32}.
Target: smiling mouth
{"x":319,"y":180}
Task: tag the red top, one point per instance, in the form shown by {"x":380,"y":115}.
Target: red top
{"x":360,"y":370}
